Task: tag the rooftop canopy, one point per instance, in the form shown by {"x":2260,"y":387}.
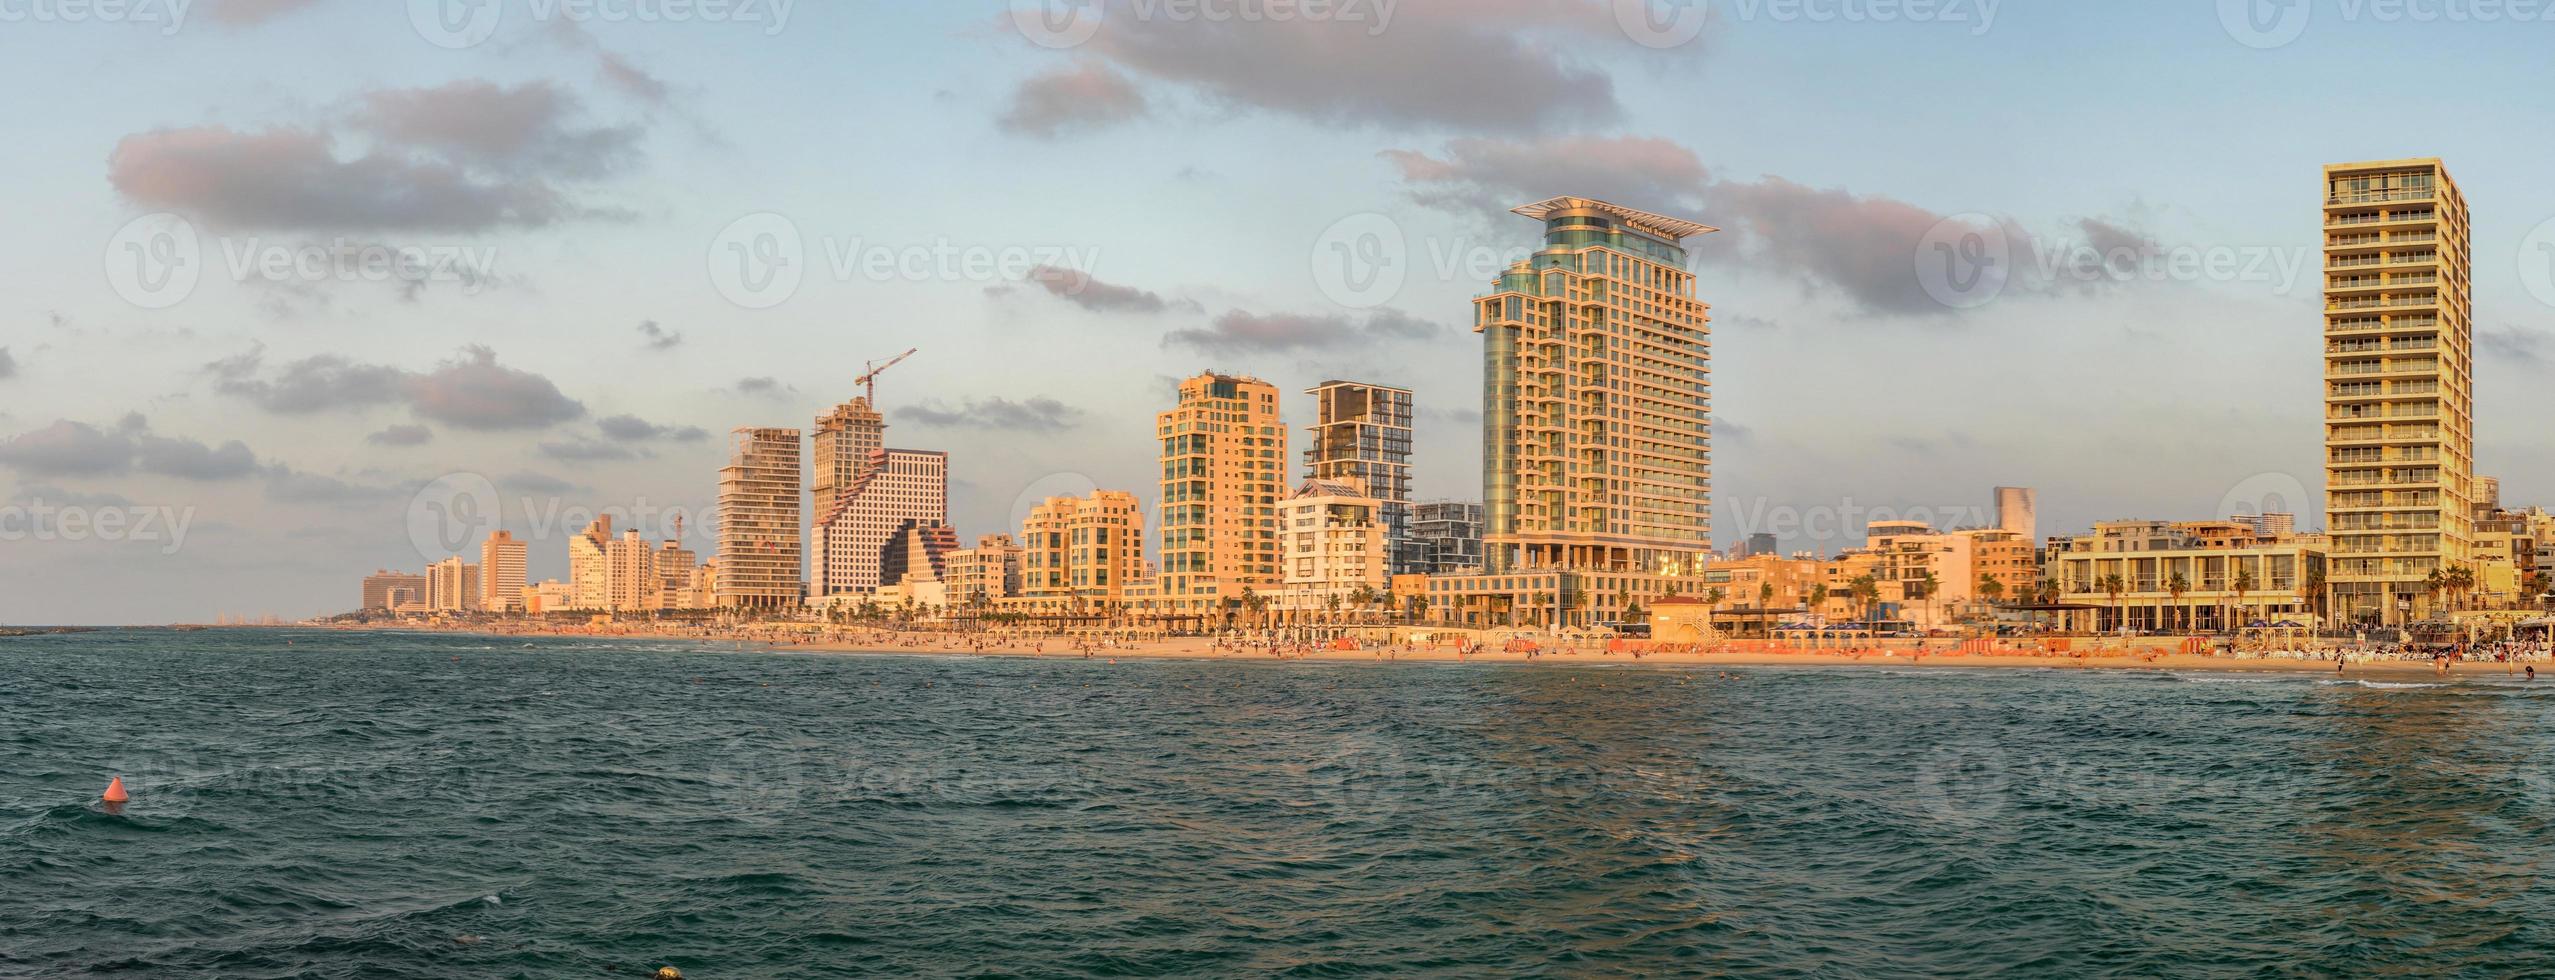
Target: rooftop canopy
{"x":1672,"y":229}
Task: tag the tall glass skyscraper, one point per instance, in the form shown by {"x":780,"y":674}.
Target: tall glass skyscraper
{"x":1362,"y":437}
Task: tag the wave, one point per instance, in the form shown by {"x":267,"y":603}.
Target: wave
{"x":2380,"y":685}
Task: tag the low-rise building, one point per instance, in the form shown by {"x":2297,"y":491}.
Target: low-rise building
{"x":2201,"y":575}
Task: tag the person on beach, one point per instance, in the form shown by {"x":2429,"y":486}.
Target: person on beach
{"x":2532,"y":672}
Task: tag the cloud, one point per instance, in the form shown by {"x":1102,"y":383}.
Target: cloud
{"x":8,"y":365}
{"x":287,"y":485}
{"x":57,"y":496}
{"x":473,"y":391}
{"x":1077,"y":287}
{"x":1728,"y":431}
{"x":1239,"y":332}
{"x":1088,"y":95}
{"x":249,"y":13}
{"x":402,"y":435}
{"x":68,"y":448}
{"x":586,"y":449}
{"x":469,"y":391}
{"x":629,"y":78}
{"x":467,"y":156}
{"x":631,"y":428}
{"x":1863,"y":247}
{"x":658,"y":338}
{"x":2511,"y":343}
{"x":1001,"y":414}
{"x":767,"y":387}
{"x":1501,"y":66}
{"x":543,"y":483}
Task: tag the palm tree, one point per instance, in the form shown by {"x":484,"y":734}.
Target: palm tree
{"x":2432,"y":584}
{"x":2315,"y":592}
{"x":1819,"y":599}
{"x":1712,"y":603}
{"x":1990,"y":588}
{"x":1765,"y":594}
{"x":2244,"y":583}
{"x":2113,"y":587}
{"x":1866,"y":591}
{"x":2050,"y":590}
{"x":2176,"y":586}
{"x":1332,"y":604}
{"x":2462,"y":579}
{"x":1417,"y":606}
{"x":1544,"y":603}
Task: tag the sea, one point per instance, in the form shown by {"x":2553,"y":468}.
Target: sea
{"x":325,"y":804}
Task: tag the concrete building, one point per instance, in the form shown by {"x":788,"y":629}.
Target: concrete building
{"x":389,"y":590}
{"x":1336,"y":550}
{"x":590,"y":565}
{"x":1080,"y":555}
{"x":1762,"y":543}
{"x":917,"y":551}
{"x":759,"y":542}
{"x":895,"y":488}
{"x":1596,"y":417}
{"x":675,"y":566}
{"x":2227,"y":576}
{"x":452,"y":585}
{"x":632,"y":583}
{"x":2399,"y":395}
{"x":1361,"y":436}
{"x":1223,"y":470}
{"x":2270,"y":525}
{"x":842,"y":452}
{"x":989,"y":572}
{"x":501,"y":573}
{"x":2018,"y":510}
{"x":549,"y":596}
{"x":1448,"y":537}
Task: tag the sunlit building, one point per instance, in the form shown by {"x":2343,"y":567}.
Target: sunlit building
{"x":759,"y":552}
{"x":1361,"y":436}
{"x":1223,"y":470}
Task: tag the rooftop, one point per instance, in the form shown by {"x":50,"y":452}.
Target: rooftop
{"x":1672,"y":229}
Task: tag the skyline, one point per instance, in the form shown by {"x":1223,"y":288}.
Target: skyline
{"x":614,"y":361}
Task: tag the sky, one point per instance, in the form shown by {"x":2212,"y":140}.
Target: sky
{"x":286,"y":285}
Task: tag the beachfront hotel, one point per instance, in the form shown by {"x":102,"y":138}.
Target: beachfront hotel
{"x":1338,"y":555}
{"x":759,"y":551}
{"x":2399,"y":396}
{"x":1362,"y":436}
{"x":2206,"y":575}
{"x":1223,"y":470}
{"x":1596,"y":419}
{"x":1080,"y":555}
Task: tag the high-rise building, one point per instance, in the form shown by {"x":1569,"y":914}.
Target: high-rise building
{"x":916,"y":550}
{"x":842,"y":452}
{"x":501,"y":572}
{"x":1333,"y":537}
{"x":758,"y":565}
{"x":1223,"y":470}
{"x":452,"y":585}
{"x":895,"y":487}
{"x":1448,"y":535}
{"x":1081,"y":549}
{"x":2018,"y":510}
{"x":390,"y":590}
{"x":1362,"y":436}
{"x":2269,"y":525}
{"x":590,"y":565}
{"x":633,"y":585}
{"x":1762,"y":543}
{"x":675,"y":565}
{"x":1596,"y":396}
{"x":2399,"y":385}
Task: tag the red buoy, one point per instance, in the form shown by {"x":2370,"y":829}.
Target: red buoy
{"x":115,"y":792}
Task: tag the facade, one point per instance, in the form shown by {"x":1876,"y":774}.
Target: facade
{"x":917,"y":552}
{"x":631,"y":583}
{"x":1361,"y":436}
{"x":1597,"y":397}
{"x":1223,"y":470}
{"x":549,"y":596}
{"x":841,"y":454}
{"x":895,"y":488}
{"x":674,"y":569}
{"x":2018,"y":510}
{"x":2270,"y":525}
{"x":1447,"y":537}
{"x":2227,"y":576}
{"x":1080,"y":555}
{"x":758,"y":564}
{"x":589,"y":565}
{"x":501,"y":573}
{"x":1762,"y":543}
{"x":987,"y":573}
{"x":452,"y":585}
{"x":1337,"y":550}
{"x":2399,"y":388}
{"x":387,"y":589}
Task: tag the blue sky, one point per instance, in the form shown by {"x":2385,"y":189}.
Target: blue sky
{"x":1189,"y":172}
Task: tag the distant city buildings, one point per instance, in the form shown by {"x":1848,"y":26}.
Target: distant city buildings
{"x":1337,"y":554}
{"x":1760,"y":543}
{"x":988,"y":573}
{"x":452,"y":586}
{"x":501,"y":573}
{"x":2399,"y":386}
{"x":894,"y":488}
{"x":388,"y":590}
{"x":2018,"y":510}
{"x":759,"y":541}
{"x":1223,"y":470}
{"x":846,"y":445}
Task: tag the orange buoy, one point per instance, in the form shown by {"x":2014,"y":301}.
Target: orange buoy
{"x":115,"y":792}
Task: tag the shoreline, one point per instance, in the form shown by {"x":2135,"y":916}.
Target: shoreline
{"x":1207,"y":649}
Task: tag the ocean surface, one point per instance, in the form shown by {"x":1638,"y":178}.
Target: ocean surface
{"x":353,"y":805}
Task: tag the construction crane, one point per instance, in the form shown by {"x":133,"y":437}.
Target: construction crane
{"x":869,"y":379}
